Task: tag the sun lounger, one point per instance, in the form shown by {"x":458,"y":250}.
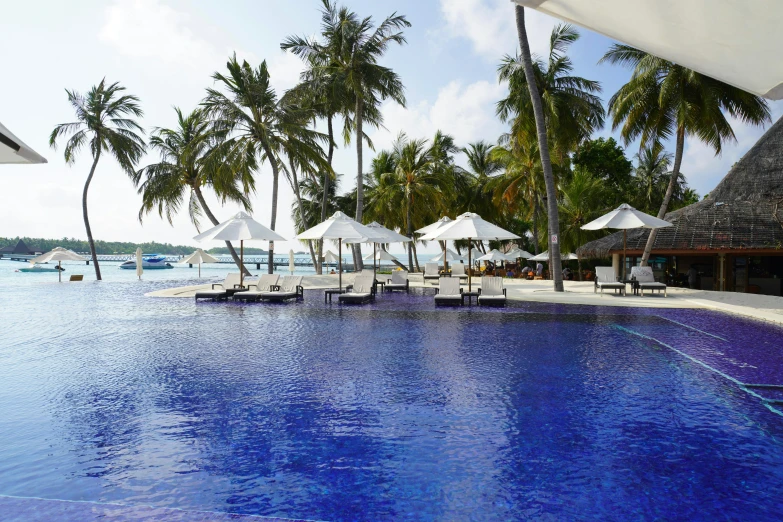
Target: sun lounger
{"x":227,"y":288}
{"x":264,"y":284}
{"x":362,"y":291}
{"x":431,"y":272}
{"x":448,"y":291}
{"x":76,"y":277}
{"x":458,"y":270}
{"x":492,"y":291}
{"x":605,"y":278}
{"x":645,"y":280}
{"x":290,"y":287}
{"x":398,"y":281}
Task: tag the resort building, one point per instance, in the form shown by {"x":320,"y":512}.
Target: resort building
{"x":20,"y":248}
{"x":733,"y":237}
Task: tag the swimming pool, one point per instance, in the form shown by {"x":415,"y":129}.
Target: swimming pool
{"x":396,"y":410}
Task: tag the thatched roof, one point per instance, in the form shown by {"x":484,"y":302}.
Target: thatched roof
{"x":744,"y":212}
{"x":20,"y":248}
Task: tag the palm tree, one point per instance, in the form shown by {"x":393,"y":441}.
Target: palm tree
{"x":571,"y":106}
{"x":477,"y":196}
{"x":192,"y":157}
{"x":105,"y":122}
{"x":583,"y":198}
{"x":259,"y":124}
{"x":412,"y":184}
{"x":663,"y":99}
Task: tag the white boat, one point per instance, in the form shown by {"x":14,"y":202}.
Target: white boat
{"x":148,"y":262}
{"x":39,"y":268}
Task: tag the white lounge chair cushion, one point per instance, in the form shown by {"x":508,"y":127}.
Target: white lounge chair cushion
{"x":448,"y":287}
{"x":399,"y":277}
{"x":491,"y":286}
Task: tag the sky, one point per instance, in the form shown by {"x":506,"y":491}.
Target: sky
{"x":165,"y":51}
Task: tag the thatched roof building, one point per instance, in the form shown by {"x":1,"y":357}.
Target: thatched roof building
{"x":20,"y":248}
{"x":744,"y":213}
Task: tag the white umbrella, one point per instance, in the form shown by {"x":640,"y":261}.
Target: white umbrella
{"x":291,"y":262}
{"x":625,"y":217}
{"x":139,"y":262}
{"x":519,"y":253}
{"x":14,"y":150}
{"x":469,"y":226}
{"x":380,"y":255}
{"x":381,"y":235}
{"x":735,"y":42}
{"x":495,"y":255}
{"x":58,"y":254}
{"x":240,"y":228}
{"x":544,"y":256}
{"x":198,"y":257}
{"x":330,"y":257}
{"x":432,"y":227}
{"x":338,"y":227}
{"x":449,"y":254}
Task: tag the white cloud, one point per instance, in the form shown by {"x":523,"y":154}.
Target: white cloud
{"x":284,"y":70}
{"x":491,"y":26}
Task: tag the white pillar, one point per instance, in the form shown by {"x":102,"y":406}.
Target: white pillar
{"x":616,"y":265}
{"x":722,"y":275}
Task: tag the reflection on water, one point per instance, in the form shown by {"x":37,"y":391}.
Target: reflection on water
{"x":395,"y":410}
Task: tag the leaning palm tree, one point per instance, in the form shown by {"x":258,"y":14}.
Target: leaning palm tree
{"x":664,"y":100}
{"x":193,"y":157}
{"x":259,"y":124}
{"x":105,"y":122}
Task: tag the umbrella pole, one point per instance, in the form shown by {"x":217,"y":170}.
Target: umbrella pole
{"x":241,"y":263}
{"x":470,"y":266}
{"x":340,"y":261}
{"x":625,"y":237}
{"x":60,"y":271}
{"x":445,"y":260}
{"x":374,"y":271}
{"x":199,"y":270}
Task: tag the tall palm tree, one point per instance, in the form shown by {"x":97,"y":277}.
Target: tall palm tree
{"x":192,"y":157}
{"x":257,"y":122}
{"x":412,"y":184}
{"x":482,"y":166}
{"x":105,"y":122}
{"x":664,"y":100}
{"x":582,"y":199}
{"x":572,"y":109}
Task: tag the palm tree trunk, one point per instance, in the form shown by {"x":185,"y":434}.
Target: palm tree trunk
{"x":543,"y":146}
{"x":535,"y":226}
{"x":325,"y":198}
{"x":215,"y":222}
{"x":409,"y":231}
{"x":298,"y":194}
{"x":270,"y":263}
{"x":680,"y":146}
{"x":357,"y":249}
{"x":415,"y":257}
{"x":93,"y":254}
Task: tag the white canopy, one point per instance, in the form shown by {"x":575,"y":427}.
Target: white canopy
{"x":331,"y":257}
{"x":518,"y":252}
{"x":198,"y":257}
{"x":58,"y":254}
{"x":381,"y":234}
{"x":339,"y":226}
{"x":434,"y":226}
{"x":731,"y":40}
{"x":241,"y":227}
{"x":625,"y":217}
{"x":14,"y":150}
{"x":380,"y":255}
{"x":469,"y":226}
{"x":450,"y":256}
{"x":495,"y":255}
{"x":544,"y":256}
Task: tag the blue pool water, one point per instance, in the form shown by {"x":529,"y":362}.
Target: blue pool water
{"x":392,"y":411}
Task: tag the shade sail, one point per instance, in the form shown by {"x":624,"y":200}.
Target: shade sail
{"x":730,"y":40}
{"x":625,"y":217}
{"x":494,"y":255}
{"x":241,"y":227}
{"x":198,"y":257}
{"x":469,"y":226}
{"x":14,"y":150}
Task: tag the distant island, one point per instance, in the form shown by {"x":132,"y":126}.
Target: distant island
{"x":116,"y":247}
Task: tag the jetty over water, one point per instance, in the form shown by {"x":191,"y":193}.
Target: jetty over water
{"x":258,"y":261}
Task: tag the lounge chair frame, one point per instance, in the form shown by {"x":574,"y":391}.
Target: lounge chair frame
{"x":448,"y":299}
{"x":391,"y":285}
{"x":365,"y":293}
{"x":645,"y":280}
{"x":490,"y":296}
{"x":228,"y":286}
{"x":431,"y":272}
{"x":268,"y":280}
{"x":605,"y":278}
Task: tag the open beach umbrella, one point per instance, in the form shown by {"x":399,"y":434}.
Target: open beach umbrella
{"x":432,"y":227}
{"x":382,"y":235}
{"x":339,"y":227}
{"x":518,"y":253}
{"x":449,"y":255}
{"x":495,"y":255}
{"x":291,"y":262}
{"x":625,"y":217}
{"x":139,"y":262}
{"x":544,"y":257}
{"x":380,"y":255}
{"x":58,"y":254}
{"x":14,"y":150}
{"x":240,"y":228}
{"x":198,"y":257}
{"x":330,"y":257}
{"x":469,"y":226}
{"x":733,"y":41}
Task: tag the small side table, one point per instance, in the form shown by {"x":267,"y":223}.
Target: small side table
{"x":381,"y":284}
{"x":634,"y":285}
{"x":331,"y":291}
{"x":470,"y":296}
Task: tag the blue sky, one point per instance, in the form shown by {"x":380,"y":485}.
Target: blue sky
{"x":164,"y":51}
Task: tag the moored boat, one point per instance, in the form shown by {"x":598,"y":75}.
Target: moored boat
{"x":148,"y":262}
